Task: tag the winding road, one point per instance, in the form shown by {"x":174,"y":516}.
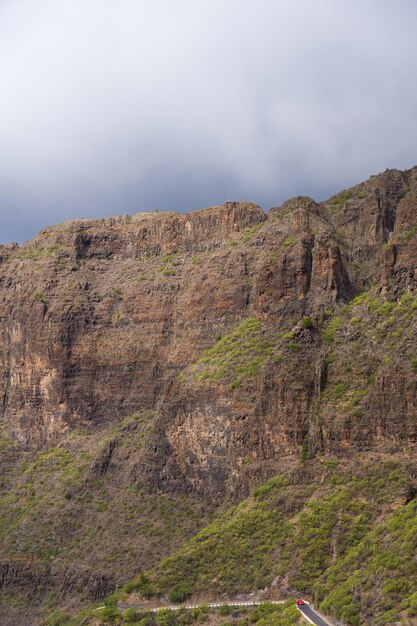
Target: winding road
{"x":311,"y":615}
{"x":305,"y":609}
{"x":177,"y":607}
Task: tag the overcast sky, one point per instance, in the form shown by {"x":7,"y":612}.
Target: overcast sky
{"x":117,"y":106}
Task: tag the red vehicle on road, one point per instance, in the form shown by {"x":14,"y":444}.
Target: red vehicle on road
{"x":299,"y":602}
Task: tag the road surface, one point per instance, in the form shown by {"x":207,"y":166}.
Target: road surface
{"x":177,"y":607}
{"x":311,"y":615}
{"x":305,"y":609}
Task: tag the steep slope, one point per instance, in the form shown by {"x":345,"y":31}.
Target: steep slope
{"x":74,"y":522}
{"x":169,"y":364}
{"x":342,"y":533}
{"x":319,"y":531}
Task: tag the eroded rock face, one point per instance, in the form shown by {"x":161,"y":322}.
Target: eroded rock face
{"x":37,"y":581}
{"x":18,"y":574}
{"x":99,"y":318}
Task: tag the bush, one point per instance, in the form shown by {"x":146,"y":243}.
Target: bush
{"x":226,"y":609}
{"x":129,"y":616}
{"x":412,"y":601}
{"x":304,"y":453}
{"x":141,"y":584}
{"x":389,"y":617}
{"x":332,"y":328}
{"x":38,"y":295}
{"x":108,"y":615}
{"x":338,"y":390}
{"x":146,"y":621}
{"x":307,"y":323}
{"x":59,"y":619}
{"x":292,"y":346}
{"x":178,"y":593}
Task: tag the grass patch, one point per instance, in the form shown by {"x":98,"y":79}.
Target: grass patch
{"x":330,"y":332}
{"x":342,"y":198}
{"x":38,"y":295}
{"x":237,"y":357}
{"x":287,"y":243}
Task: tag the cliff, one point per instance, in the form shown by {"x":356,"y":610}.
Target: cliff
{"x":198,"y":355}
{"x":99,"y":318}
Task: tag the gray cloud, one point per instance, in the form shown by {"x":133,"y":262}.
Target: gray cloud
{"x":117,"y":106}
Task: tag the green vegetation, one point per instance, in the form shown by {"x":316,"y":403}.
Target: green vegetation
{"x":357,"y":267}
{"x":38,"y":295}
{"x":58,"y":504}
{"x":366,"y":335}
{"x":141,"y":584}
{"x":195,"y":260}
{"x":292,"y":346}
{"x":265,"y":614}
{"x":342,"y":198}
{"x":330,"y":332}
{"x":406,"y":235}
{"x":38,"y":253}
{"x":237,"y":357}
{"x":386,"y":554}
{"x":6,"y":441}
{"x":336,"y":391}
{"x":287,"y":243}
{"x":53,"y":250}
{"x":325,"y":533}
{"x":167,"y":261}
{"x":329,"y":358}
{"x":251,"y":231}
{"x":409,"y":234}
{"x":30,"y":254}
{"x":178,"y":593}
{"x":304,"y":453}
{"x":240,"y":546}
{"x":362,"y":195}
{"x":307,"y":323}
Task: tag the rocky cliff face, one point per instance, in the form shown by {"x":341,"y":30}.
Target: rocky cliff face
{"x":99,"y":319}
{"x":150,"y":357}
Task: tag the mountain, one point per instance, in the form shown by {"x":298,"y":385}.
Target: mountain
{"x":158,"y":369}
